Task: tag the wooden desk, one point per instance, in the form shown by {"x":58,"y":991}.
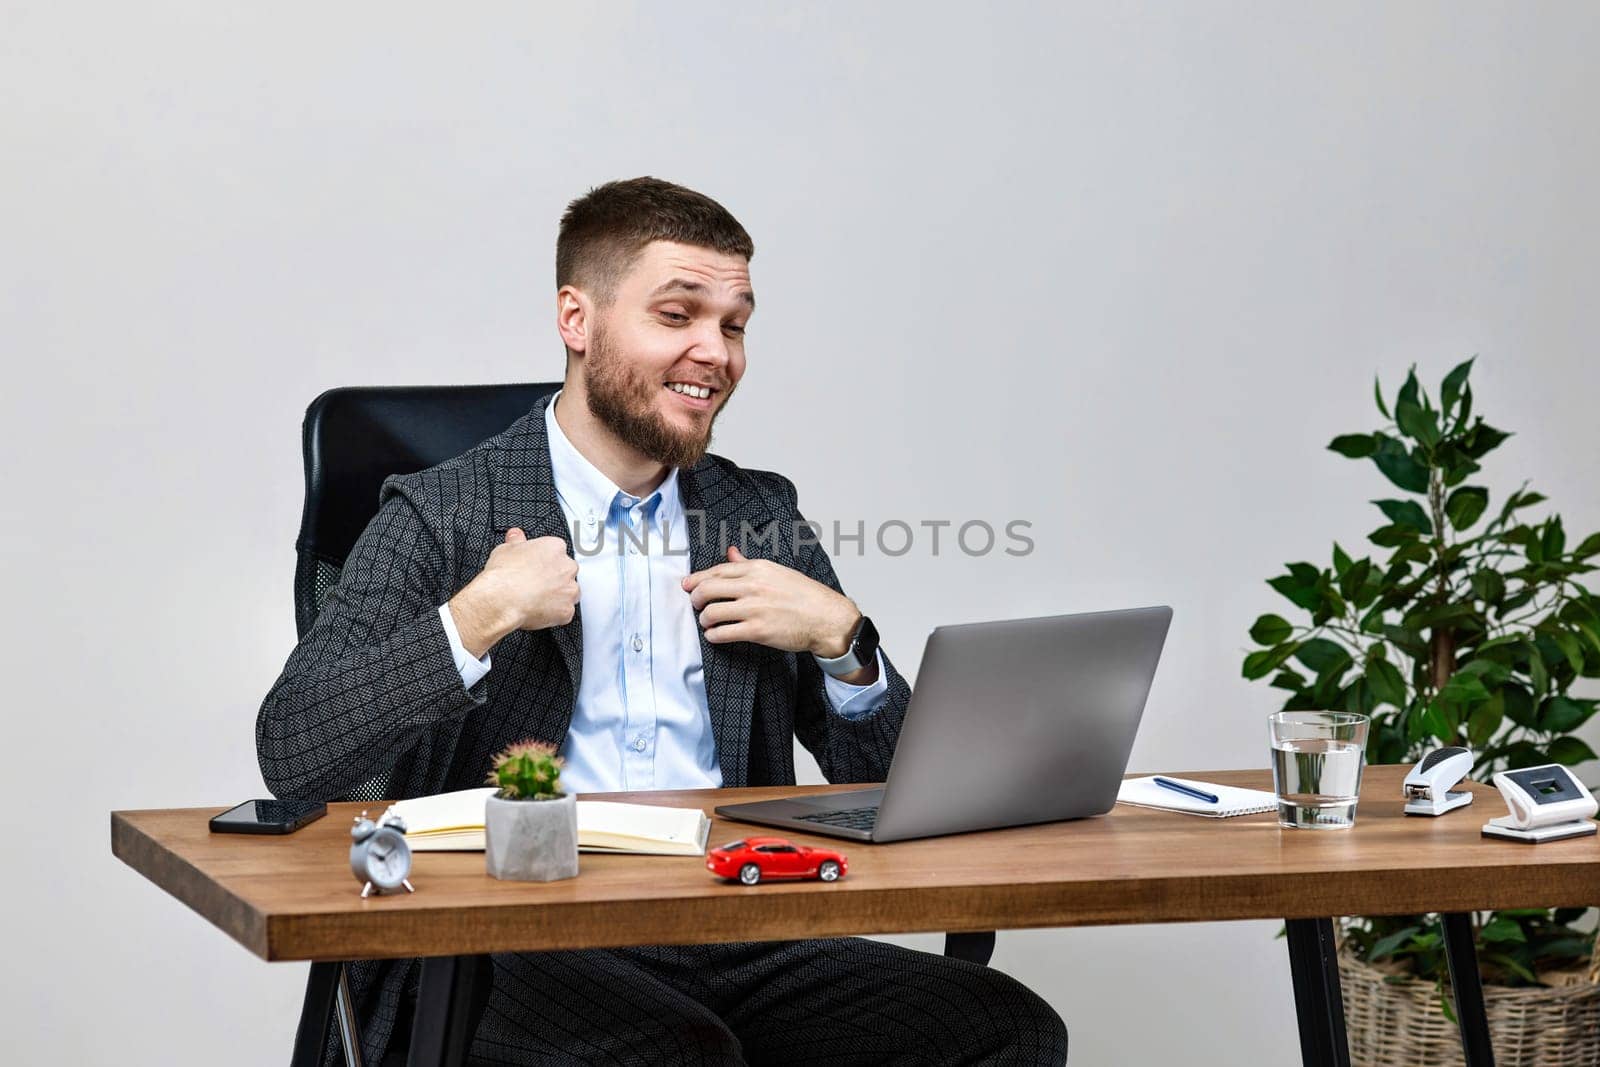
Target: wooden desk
{"x":293,"y":897}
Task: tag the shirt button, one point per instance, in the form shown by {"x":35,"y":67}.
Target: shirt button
{"x":638,"y":744}
{"x":627,"y":501}
{"x":638,"y":643}
{"x":589,"y":519}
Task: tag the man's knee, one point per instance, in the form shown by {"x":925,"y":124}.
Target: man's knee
{"x":1047,"y":1035}
{"x":1023,"y":1028}
{"x":705,"y":1042}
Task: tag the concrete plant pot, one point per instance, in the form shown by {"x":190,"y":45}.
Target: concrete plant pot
{"x":531,"y":840}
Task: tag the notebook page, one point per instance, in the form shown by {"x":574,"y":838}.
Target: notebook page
{"x":461,"y":810}
{"x":1231,"y":800}
{"x":639,"y":821}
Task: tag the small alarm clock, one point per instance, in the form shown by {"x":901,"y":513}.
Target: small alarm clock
{"x":380,"y":858}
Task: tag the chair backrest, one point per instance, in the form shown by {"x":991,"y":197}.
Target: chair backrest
{"x":354,"y":438}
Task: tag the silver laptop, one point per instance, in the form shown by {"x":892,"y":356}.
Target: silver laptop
{"x":1023,"y":721}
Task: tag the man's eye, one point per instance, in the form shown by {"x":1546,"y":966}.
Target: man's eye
{"x":738,"y":331}
{"x":674,"y":316}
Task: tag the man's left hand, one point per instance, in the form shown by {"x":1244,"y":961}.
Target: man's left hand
{"x":770,"y":604}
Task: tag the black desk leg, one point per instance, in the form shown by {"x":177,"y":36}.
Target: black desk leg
{"x":1318,"y":1003}
{"x":1468,"y":986}
{"x":449,"y":1001}
{"x":321,"y":986}
{"x":975,"y":948}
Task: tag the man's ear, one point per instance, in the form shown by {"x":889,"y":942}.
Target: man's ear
{"x":574,"y":311}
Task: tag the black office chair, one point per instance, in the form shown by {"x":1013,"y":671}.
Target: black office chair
{"x":352,"y":439}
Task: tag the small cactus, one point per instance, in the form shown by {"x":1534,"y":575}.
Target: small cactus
{"x":527,"y":770}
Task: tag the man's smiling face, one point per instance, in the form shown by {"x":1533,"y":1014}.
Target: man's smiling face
{"x":665,"y":356}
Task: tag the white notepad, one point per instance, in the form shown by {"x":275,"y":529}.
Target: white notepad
{"x":1231,"y":800}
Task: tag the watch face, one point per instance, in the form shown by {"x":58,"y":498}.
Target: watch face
{"x":865,"y":646}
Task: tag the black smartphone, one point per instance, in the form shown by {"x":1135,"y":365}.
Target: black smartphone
{"x":268,"y":817}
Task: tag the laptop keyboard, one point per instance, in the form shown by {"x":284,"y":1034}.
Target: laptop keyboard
{"x":849,"y":818}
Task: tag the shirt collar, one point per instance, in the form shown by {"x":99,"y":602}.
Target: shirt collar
{"x":584,"y":490}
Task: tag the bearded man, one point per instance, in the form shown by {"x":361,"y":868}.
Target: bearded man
{"x":538,"y":586}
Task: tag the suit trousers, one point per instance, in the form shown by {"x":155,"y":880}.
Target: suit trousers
{"x":835,"y":1001}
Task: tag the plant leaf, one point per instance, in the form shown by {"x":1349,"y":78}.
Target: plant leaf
{"x":1538,"y":673}
{"x":1519,"y":704}
{"x":1501,"y":928}
{"x":1393,"y":536}
{"x":1519,"y":754}
{"x":1407,"y":513}
{"x":1354,"y":579}
{"x":1385,"y":946}
{"x":1570,"y":648}
{"x":1466,"y":408}
{"x":1450,"y":391}
{"x":1398,"y":466}
{"x":1482,"y":439}
{"x":1260,"y":664}
{"x":1464,"y":689}
{"x":1458,"y":471}
{"x":1570,"y":751}
{"x":1410,"y":391}
{"x":1466,"y":505}
{"x":1485,"y":722}
{"x":1489,"y":586}
{"x":1271,"y":630}
{"x":1354,"y":445}
{"x":1290,"y":679}
{"x":1435,"y":722}
{"x":1387,"y":683}
{"x":1562,"y":715}
{"x":1323,"y":655}
{"x":1418,"y":423}
{"x":1300,"y":586}
{"x":1512,"y":965}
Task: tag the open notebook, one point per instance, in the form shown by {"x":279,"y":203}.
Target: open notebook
{"x":453,"y":822}
{"x":1231,"y":800}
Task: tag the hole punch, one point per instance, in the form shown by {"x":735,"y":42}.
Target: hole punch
{"x":1546,"y":803}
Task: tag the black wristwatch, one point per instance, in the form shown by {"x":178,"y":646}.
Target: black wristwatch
{"x":862,"y":651}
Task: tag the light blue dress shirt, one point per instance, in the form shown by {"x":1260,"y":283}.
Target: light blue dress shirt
{"x":641,"y":720}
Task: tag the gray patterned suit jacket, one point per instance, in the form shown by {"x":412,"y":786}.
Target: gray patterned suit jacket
{"x":372,"y":687}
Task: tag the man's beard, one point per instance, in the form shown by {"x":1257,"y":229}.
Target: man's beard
{"x":626,"y":403}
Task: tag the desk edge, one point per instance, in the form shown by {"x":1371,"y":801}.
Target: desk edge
{"x":184,"y":881}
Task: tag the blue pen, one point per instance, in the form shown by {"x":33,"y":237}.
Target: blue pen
{"x":1187,"y":790}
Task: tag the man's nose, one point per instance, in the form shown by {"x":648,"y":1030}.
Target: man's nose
{"x":710,"y":347}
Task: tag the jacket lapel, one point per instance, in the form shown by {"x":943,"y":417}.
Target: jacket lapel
{"x":714,"y":515}
{"x":525,"y":496}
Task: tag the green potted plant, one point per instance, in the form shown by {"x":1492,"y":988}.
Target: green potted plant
{"x":1468,"y":625}
{"x":530,"y":827}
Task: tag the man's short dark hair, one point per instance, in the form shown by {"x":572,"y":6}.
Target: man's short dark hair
{"x":604,"y":230}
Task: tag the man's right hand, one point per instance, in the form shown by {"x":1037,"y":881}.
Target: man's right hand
{"x":526,"y":585}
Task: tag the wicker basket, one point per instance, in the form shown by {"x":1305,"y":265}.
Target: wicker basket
{"x":1400,"y":1023}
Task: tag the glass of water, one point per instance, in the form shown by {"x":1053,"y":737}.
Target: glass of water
{"x":1317,"y":758}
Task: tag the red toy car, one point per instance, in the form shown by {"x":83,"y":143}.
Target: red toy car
{"x":755,"y":858}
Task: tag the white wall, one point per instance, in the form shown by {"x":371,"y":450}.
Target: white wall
{"x":1119,"y":270}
